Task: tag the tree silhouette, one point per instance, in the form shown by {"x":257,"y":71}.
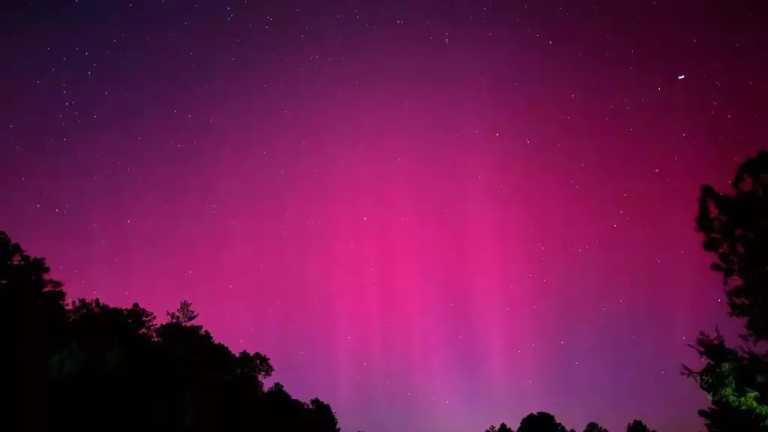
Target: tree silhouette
{"x":546,"y":422}
{"x":502,"y":428}
{"x":90,"y":366}
{"x":183,"y":314}
{"x":32,"y":323}
{"x":638,"y":426}
{"x":735,"y":230}
{"x":594,"y":427}
{"x":540,"y":422}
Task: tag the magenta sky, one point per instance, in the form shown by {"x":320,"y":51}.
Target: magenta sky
{"x":433,"y":217}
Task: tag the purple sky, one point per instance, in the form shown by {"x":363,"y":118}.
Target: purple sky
{"x":432,"y":215}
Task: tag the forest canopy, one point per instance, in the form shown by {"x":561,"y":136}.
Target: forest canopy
{"x":103,"y":367}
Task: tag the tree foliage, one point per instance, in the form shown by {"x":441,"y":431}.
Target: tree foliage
{"x":540,"y":422}
{"x":638,"y":426}
{"x":113,"y":368}
{"x":735,"y":230}
{"x":502,"y":428}
{"x":594,"y":427}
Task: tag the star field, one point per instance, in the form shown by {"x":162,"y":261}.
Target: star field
{"x":432,"y":215}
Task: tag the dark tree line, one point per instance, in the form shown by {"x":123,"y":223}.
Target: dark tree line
{"x":546,"y":422}
{"x":87,"y":366}
{"x":735,"y":230}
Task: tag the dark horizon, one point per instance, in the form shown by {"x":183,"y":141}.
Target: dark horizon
{"x":430,"y":215}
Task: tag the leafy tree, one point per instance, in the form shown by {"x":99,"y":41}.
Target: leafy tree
{"x":504,"y":428}
{"x":594,"y":427}
{"x":735,"y":230}
{"x":540,"y":422}
{"x":638,"y":426}
{"x":110,"y":368}
{"x":32,"y":324}
{"x":183,"y":314}
{"x":256,"y":365}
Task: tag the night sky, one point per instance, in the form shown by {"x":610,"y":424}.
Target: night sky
{"x":432,"y":215}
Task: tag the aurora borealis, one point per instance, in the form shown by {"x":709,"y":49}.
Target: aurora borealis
{"x":432,"y":215}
